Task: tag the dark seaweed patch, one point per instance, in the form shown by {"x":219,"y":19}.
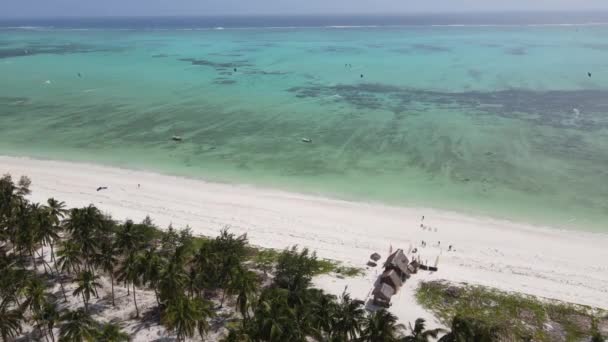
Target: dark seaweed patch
{"x":32,"y":49}
{"x":247,"y":49}
{"x":220,"y":54}
{"x":160,"y":55}
{"x":517,"y":51}
{"x":490,"y":45}
{"x":223,"y":81}
{"x":267,"y":45}
{"x":265,"y":73}
{"x":421,"y":48}
{"x":217,"y":65}
{"x":475,"y":74}
{"x":552,"y":108}
{"x":599,"y":47}
{"x":337,"y":49}
{"x":13,"y":101}
{"x":430,"y":48}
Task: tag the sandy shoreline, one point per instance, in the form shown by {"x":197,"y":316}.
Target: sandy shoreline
{"x":567,"y":265}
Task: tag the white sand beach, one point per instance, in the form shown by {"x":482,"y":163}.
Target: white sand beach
{"x":570,"y":266}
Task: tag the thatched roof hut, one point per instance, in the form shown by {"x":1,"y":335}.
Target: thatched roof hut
{"x":382,"y":294}
{"x":375,"y":257}
{"x":398,"y":262}
{"x":391,"y":278}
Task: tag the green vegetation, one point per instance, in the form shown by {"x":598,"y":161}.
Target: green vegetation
{"x":264,"y":258}
{"x":268,"y":293}
{"x":495,"y":315}
{"x":259,"y":294}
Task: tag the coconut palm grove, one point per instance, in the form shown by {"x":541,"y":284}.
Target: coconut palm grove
{"x":55,"y":262}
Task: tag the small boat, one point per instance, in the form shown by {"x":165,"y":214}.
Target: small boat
{"x":307,"y":140}
{"x":176,"y":138}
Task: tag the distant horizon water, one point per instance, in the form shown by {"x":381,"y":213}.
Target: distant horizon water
{"x":505,"y":116}
{"x":510,"y":18}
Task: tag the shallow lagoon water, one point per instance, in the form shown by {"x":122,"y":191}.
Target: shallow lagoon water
{"x":487,"y":120}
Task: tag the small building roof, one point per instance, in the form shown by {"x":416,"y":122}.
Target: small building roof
{"x":375,"y":257}
{"x":384,"y":291}
{"x":397,"y":261}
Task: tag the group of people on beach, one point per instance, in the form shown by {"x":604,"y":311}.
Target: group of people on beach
{"x":438,"y":245}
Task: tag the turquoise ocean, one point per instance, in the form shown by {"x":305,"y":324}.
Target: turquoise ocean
{"x":481,"y":118}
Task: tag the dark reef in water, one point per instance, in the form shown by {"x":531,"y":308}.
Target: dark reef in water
{"x":220,"y":66}
{"x":422,"y":49}
{"x":517,"y":51}
{"x":32,"y":49}
{"x":599,"y":47}
{"x":475,"y":74}
{"x":553,"y":108}
{"x":221,"y":54}
{"x":264,"y":72}
{"x":337,"y":49}
{"x":430,"y":48}
{"x":223,"y":81}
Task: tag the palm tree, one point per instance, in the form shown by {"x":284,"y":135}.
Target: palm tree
{"x":44,"y":232}
{"x":35,"y":296}
{"x":419,"y":334}
{"x":204,"y":268}
{"x":295,"y":269}
{"x":130,"y":273}
{"x":77,"y":326}
{"x":466,"y":329}
{"x":381,"y":326}
{"x":205,"y":309}
{"x":25,"y":234}
{"x":68,"y":261}
{"x":13,"y":280}
{"x":106,"y":259}
{"x":274,"y":319}
{"x":185,"y":316}
{"x":10,"y":323}
{"x":84,"y":225}
{"x":173,"y":279}
{"x":128,"y":239}
{"x":348,"y":317}
{"x":112,"y":332}
{"x":48,"y":317}
{"x":23,"y":186}
{"x":87,"y":285}
{"x":56,"y":211}
{"x":323,"y":312}
{"x":244,"y":285}
{"x":152,"y":266}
